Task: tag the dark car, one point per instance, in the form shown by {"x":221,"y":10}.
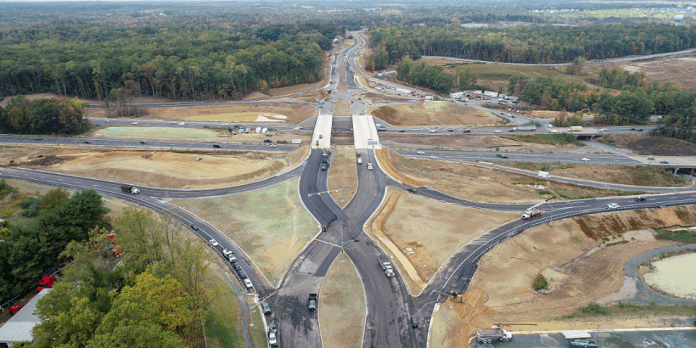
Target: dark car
{"x":242,"y":274}
{"x":142,"y":142}
{"x":195,"y":228}
{"x":640,"y":199}
{"x":402,"y":131}
{"x":412,"y":190}
{"x":266,"y":140}
{"x":38,"y":139}
{"x":633,"y":129}
{"x":216,"y":146}
{"x":236,"y":267}
{"x":266,"y":308}
{"x":664,"y":162}
{"x":87,"y":142}
{"x":640,"y":130}
{"x":501,"y":155}
{"x":466,"y":131}
{"x":414,"y":321}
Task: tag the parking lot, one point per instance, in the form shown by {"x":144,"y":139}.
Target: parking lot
{"x":624,"y":339}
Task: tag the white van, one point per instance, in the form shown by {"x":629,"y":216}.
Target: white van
{"x":359,"y":160}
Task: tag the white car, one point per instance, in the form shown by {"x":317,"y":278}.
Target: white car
{"x":420,"y":153}
{"x":369,"y":166}
{"x":433,"y":157}
{"x":248,"y":284}
{"x":272,"y":339}
{"x":135,"y":123}
{"x":612,"y":206}
{"x":497,"y":131}
{"x":182,"y":123}
{"x":107,"y":121}
{"x":553,"y":131}
{"x":549,"y":125}
{"x":433,"y":131}
{"x":585,"y":159}
{"x":213,"y":242}
{"x":225,"y":124}
{"x":603,"y":130}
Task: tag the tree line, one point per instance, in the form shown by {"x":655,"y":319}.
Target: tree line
{"x":43,"y":116}
{"x":172,"y":61}
{"x":545,"y":44}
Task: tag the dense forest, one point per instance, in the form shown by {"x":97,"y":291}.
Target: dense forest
{"x":43,"y":116}
{"x":546,"y":44}
{"x":175,"y":61}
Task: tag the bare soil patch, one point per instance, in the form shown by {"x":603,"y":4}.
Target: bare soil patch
{"x":256,"y":95}
{"x":310,"y":97}
{"x":407,"y":221}
{"x":342,"y":108}
{"x":652,"y":145}
{"x":449,"y":114}
{"x":483,"y":184}
{"x":376,"y":98}
{"x":579,"y":267}
{"x":458,"y":319}
{"x":452,"y":141}
{"x":343,"y":173}
{"x":293,"y":113}
{"x":168,"y":169}
{"x":385,"y":162}
{"x":679,"y":70}
{"x":342,"y":305}
{"x":619,"y":174}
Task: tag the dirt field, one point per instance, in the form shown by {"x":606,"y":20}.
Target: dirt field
{"x":456,"y":141}
{"x":375,"y":98}
{"x":404,"y":229}
{"x":575,"y":247}
{"x":270,"y":225}
{"x":482,"y":184}
{"x":452,"y":323}
{"x":679,"y":70}
{"x":650,"y":145}
{"x":343,"y":172}
{"x":383,"y":158}
{"x":342,"y":306}
{"x":618,"y":174}
{"x":310,"y":98}
{"x":159,"y":133}
{"x":434,"y":114}
{"x":342,"y":108}
{"x":181,"y":170}
{"x":281,"y":114}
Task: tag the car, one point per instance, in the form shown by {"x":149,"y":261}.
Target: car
{"x":272,"y":338}
{"x":585,"y":159}
{"x":266,"y":308}
{"x":225,"y":124}
{"x":502,"y":155}
{"x":664,"y":162}
{"x":369,"y":166}
{"x":274,"y":145}
{"x":633,"y":129}
{"x":640,"y":129}
{"x":414,"y":321}
{"x":142,"y":142}
{"x":107,"y":121}
{"x":217,"y":146}
{"x":87,"y":142}
{"x":321,"y":136}
{"x":451,"y":130}
{"x":402,"y":131}
{"x":267,"y":140}
{"x":39,"y":139}
{"x":549,"y":125}
{"x":612,"y":206}
{"x":195,"y":228}
{"x":466,"y":131}
{"x":433,"y":131}
{"x":248,"y":284}
{"x":232,"y":258}
{"x":497,"y":131}
{"x":640,"y":199}
{"x":182,"y":123}
{"x":603,"y":130}
{"x":135,"y":123}
{"x":241,"y":273}
{"x":213,"y":242}
{"x":433,"y":157}
{"x":236,"y":267}
{"x":650,"y":158}
{"x":411,"y":189}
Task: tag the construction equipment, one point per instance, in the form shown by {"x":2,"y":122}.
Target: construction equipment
{"x":495,"y":333}
{"x":386,"y":266}
{"x":129,"y":189}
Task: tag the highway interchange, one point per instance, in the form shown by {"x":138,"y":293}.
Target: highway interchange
{"x":389,"y":302}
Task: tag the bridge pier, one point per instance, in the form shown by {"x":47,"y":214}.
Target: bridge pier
{"x":677,"y":169}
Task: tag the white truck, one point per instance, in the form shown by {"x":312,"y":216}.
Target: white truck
{"x":532,"y":214}
{"x":487,"y":336}
{"x":386,"y":266}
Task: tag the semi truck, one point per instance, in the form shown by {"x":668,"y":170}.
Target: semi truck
{"x":487,"y":336}
{"x":532,"y":214}
{"x":576,"y":129}
{"x":386,"y":266}
{"x":524,"y":129}
{"x":129,"y":189}
{"x":312,"y":302}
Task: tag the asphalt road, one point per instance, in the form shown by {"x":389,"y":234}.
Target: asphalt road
{"x":521,"y":157}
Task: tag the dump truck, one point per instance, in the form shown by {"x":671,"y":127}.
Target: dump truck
{"x":532,"y":214}
{"x":580,"y":339}
{"x":386,"y":266}
{"x":129,"y":189}
{"x":495,"y":333}
{"x":312,"y":302}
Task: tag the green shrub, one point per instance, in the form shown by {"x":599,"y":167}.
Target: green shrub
{"x":593,"y":308}
{"x":540,"y":283}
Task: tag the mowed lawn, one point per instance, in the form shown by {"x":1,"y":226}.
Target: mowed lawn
{"x":158,"y":133}
{"x":270,"y":225}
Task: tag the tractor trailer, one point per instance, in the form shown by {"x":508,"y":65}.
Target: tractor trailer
{"x":386,"y":266}
{"x":129,"y":189}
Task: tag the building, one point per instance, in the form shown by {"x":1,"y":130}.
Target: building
{"x":457,"y":95}
{"x":491,"y":94}
{"x":474,"y":25}
{"x":18,"y":328}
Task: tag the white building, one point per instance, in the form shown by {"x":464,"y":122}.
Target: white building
{"x":491,"y":94}
{"x":18,"y":328}
{"x":457,"y":95}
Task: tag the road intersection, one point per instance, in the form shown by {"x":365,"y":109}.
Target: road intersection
{"x":389,"y":302}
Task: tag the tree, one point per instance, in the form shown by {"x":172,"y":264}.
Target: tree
{"x":53,"y":198}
